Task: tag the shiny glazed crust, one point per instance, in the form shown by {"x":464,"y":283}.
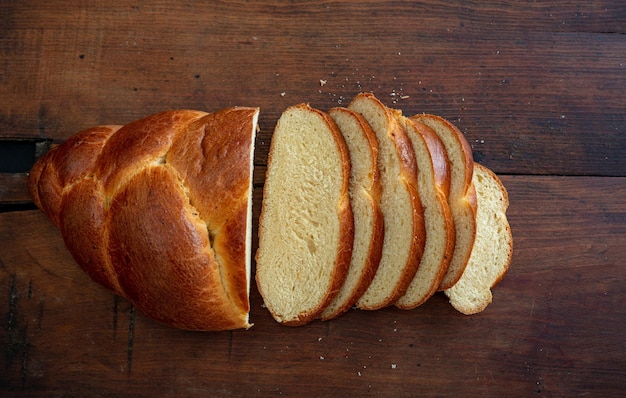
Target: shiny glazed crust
{"x":462,"y":197}
{"x":157,"y":211}
{"x":433,"y":169}
{"x":373,"y":299}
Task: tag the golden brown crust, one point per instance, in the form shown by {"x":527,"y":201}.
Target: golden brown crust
{"x":441,"y":179}
{"x":64,"y":165}
{"x":408,"y":175}
{"x":438,"y":155}
{"x":215,"y":169}
{"x":157,"y":212}
{"x":83,"y":225}
{"x":408,"y":172}
{"x":468,"y":160}
{"x":441,"y":167}
{"x":462,"y":199}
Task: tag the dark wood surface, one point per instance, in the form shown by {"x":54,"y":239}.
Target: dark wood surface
{"x":537,"y":87}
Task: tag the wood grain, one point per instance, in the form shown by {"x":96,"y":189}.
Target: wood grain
{"x":524,"y":81}
{"x":554,"y":326}
{"x":538,"y":88}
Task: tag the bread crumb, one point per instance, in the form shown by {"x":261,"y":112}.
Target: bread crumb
{"x":321,"y":357}
{"x":319,"y":338}
{"x":359,"y":373}
{"x":283,"y":94}
{"x":393,"y":366}
{"x":323,"y":82}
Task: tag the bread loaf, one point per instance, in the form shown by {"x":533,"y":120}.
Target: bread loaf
{"x":491,"y":253}
{"x":365,"y":190}
{"x":361,"y":207}
{"x":433,"y":184}
{"x":159,"y":211}
{"x":306,"y":229}
{"x":404,"y":234}
{"x":462,"y":198}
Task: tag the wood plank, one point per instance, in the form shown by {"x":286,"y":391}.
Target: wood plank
{"x":14,"y":188}
{"x":537,"y":88}
{"x":554,"y":328}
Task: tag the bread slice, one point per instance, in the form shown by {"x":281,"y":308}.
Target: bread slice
{"x":306,"y":227}
{"x":493,"y":247}
{"x":462,"y":198}
{"x":403,"y":240}
{"x":433,"y":183}
{"x":365,"y":190}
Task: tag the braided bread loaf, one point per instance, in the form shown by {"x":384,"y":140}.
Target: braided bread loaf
{"x":159,"y":212}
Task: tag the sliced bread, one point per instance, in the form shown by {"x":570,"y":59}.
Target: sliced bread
{"x":462,"y":198}
{"x":433,"y":185}
{"x":365,"y":190}
{"x":306,"y":227}
{"x":403,"y":241}
{"x":493,"y":247}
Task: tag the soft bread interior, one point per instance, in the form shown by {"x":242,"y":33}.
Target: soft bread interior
{"x":491,"y":253}
{"x":301,"y":226}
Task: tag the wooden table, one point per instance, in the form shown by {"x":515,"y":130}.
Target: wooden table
{"x":537,"y":87}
